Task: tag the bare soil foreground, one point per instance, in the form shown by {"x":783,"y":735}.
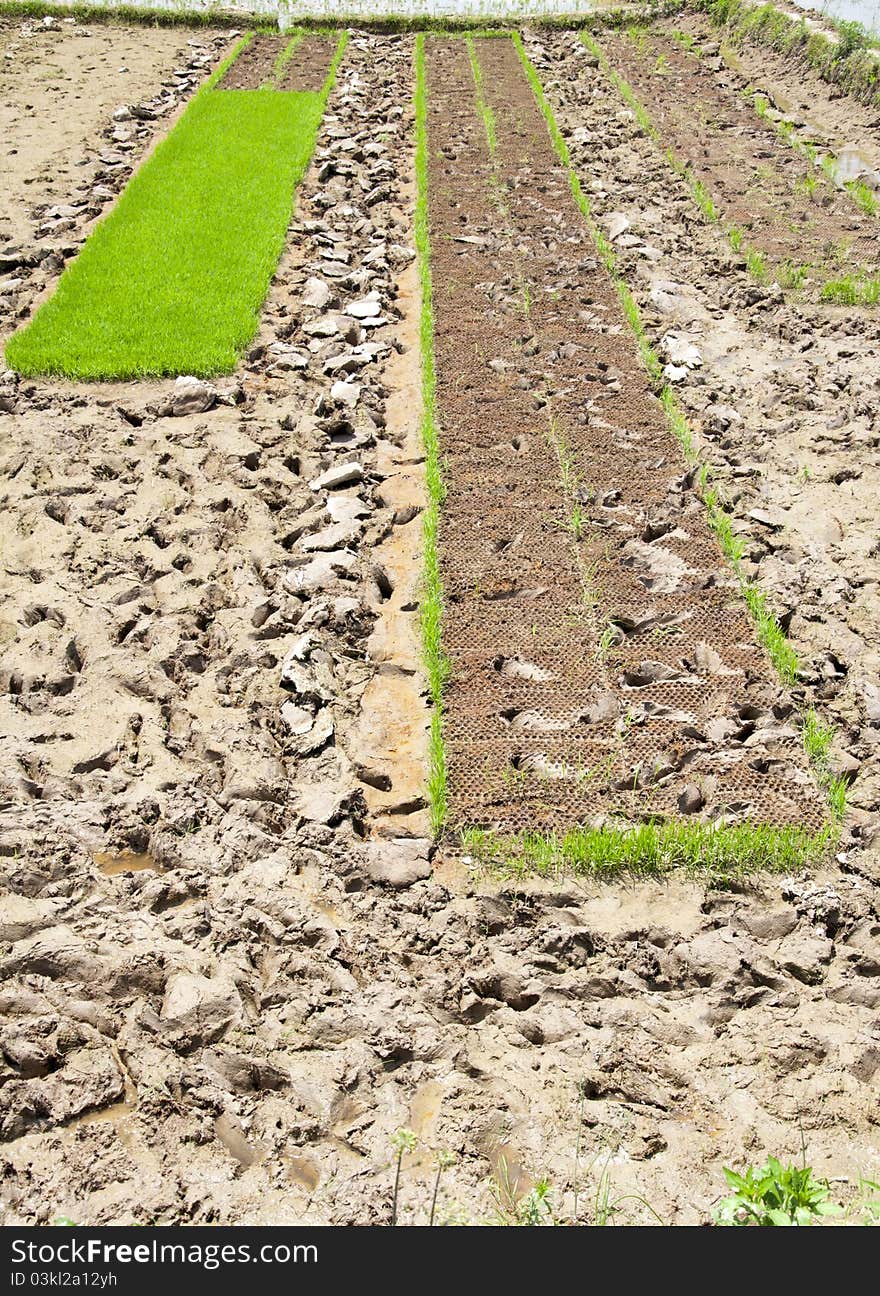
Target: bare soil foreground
{"x":235,"y":961}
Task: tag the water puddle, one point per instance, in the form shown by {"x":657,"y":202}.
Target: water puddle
{"x":303,"y":1172}
{"x":231,"y":1134}
{"x":106,"y":1115}
{"x":112,"y":863}
{"x":425,"y":1108}
{"x":852,"y":164}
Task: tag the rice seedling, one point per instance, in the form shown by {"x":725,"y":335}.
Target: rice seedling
{"x":719,"y":853}
{"x":173,"y":279}
{"x":436,"y":662}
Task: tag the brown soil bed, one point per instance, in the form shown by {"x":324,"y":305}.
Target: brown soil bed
{"x":779,"y":395}
{"x":755,"y":179}
{"x":309,"y":65}
{"x":612,"y":670}
{"x":255,"y":64}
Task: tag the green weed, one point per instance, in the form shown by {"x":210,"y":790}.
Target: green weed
{"x":756,"y":265}
{"x":775,"y":1195}
{"x":864,"y":197}
{"x":851,"y":290}
{"x":402,"y":1141}
{"x":790,"y":275}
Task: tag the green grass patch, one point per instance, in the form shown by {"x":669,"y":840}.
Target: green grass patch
{"x":138,"y":15}
{"x":851,"y":290}
{"x":720,"y":853}
{"x":173,"y":280}
{"x":818,"y":738}
{"x":863,"y":196}
{"x":436,"y":663}
{"x":790,"y":275}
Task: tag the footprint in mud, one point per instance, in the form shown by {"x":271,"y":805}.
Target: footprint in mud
{"x":658,"y":569}
{"x":518,"y":668}
{"x":534,"y":721}
{"x":539,"y":763}
{"x":654,"y":672}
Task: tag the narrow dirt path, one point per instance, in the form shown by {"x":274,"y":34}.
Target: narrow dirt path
{"x":601,"y":657}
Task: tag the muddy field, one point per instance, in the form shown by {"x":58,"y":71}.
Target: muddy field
{"x":234,"y":962}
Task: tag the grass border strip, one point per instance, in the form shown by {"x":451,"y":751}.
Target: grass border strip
{"x":390,"y":23}
{"x":436,"y":663}
{"x":713,"y":854}
{"x":770,"y":633}
{"x":851,"y":61}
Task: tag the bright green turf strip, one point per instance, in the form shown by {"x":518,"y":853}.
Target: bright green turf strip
{"x":174,"y":279}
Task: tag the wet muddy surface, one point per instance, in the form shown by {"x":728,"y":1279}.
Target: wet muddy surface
{"x":785,"y":206}
{"x":210,"y":611}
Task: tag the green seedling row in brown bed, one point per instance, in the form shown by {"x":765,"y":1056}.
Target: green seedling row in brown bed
{"x":657,"y":845}
{"x":849,"y":285}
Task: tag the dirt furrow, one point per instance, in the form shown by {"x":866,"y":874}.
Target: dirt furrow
{"x":309,"y":64}
{"x":255,"y":65}
{"x":784,"y":206}
{"x":602,"y":665}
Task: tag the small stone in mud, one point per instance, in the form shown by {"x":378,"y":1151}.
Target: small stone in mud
{"x":317,"y":293}
{"x":345,"y":474}
{"x":690,"y":799}
{"x":190,"y":396}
